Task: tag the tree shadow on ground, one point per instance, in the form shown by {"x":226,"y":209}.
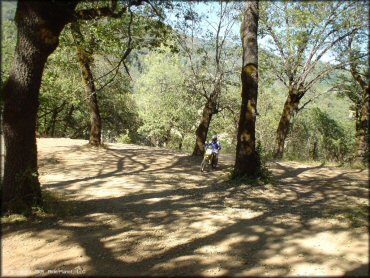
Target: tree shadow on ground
{"x":199,"y":224}
{"x":362,"y":270}
{"x":293,"y":171}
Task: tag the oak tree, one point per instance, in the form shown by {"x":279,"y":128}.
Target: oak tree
{"x":247,"y":158}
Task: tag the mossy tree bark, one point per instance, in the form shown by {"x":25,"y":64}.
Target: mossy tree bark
{"x":84,"y":59}
{"x":290,"y":108}
{"x":202,"y":130}
{"x":362,"y":137}
{"x":362,"y":107}
{"x":362,"y":118}
{"x":39,"y":25}
{"x":247,"y":159}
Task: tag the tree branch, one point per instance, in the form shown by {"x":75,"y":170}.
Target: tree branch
{"x":123,"y":58}
{"x":356,"y":75}
{"x":154,"y":9}
{"x":332,"y":89}
{"x":320,"y":38}
{"x":94,"y":13}
{"x":328,"y":70}
{"x":90,"y":14}
{"x":305,"y":73}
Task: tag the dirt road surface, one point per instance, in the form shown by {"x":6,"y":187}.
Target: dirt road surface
{"x":134,"y":210}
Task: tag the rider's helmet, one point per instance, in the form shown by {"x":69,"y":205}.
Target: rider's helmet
{"x":214,"y":138}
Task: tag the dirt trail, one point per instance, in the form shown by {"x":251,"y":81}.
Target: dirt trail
{"x":133,"y":210}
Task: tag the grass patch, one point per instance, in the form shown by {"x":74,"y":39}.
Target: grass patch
{"x":263,"y":178}
{"x":48,"y":161}
{"x":253,"y":181}
{"x":348,"y":164}
{"x":357,"y":165}
{"x":358,"y":216}
{"x":13,"y":218}
{"x":53,"y":206}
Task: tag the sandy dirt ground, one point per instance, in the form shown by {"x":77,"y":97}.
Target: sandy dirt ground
{"x":134,"y":210}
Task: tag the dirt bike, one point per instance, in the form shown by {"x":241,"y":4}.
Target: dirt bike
{"x":209,"y":159}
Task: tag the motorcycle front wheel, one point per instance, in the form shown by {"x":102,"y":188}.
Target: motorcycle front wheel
{"x":213,"y":162}
{"x":203,"y":165}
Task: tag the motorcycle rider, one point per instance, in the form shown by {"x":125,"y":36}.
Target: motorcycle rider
{"x":216,"y":147}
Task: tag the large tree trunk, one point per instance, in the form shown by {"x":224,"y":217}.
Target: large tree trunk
{"x":290,"y":107}
{"x":84,"y":60}
{"x":247,"y":159}
{"x":202,"y":130}
{"x":39,"y":25}
{"x":362,"y":130}
{"x":362,"y":114}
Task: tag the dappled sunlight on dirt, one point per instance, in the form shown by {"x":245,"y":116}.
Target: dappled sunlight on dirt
{"x":136,"y":210}
{"x":47,"y":246}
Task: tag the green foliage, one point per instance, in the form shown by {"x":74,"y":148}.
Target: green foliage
{"x":211,"y":55}
{"x":61,"y":89}
{"x":53,"y":206}
{"x":357,"y":215}
{"x":300,"y":37}
{"x":305,"y":127}
{"x":161,"y":105}
{"x":332,"y":134}
{"x":270,"y":101}
{"x":262,"y":176}
{"x":263,"y":173}
{"x":124,"y":138}
{"x":167,"y":111}
{"x":8,"y":42}
{"x":8,"y":10}
{"x":318,"y":129}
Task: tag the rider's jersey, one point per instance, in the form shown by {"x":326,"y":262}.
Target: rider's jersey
{"x":216,"y":146}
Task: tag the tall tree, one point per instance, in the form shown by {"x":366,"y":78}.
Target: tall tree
{"x":39,"y":25}
{"x":84,"y":59}
{"x":353,"y":83}
{"x":107,"y":40}
{"x":210,"y":58}
{"x":247,"y":159}
{"x":301,"y":33}
{"x":362,"y":107}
